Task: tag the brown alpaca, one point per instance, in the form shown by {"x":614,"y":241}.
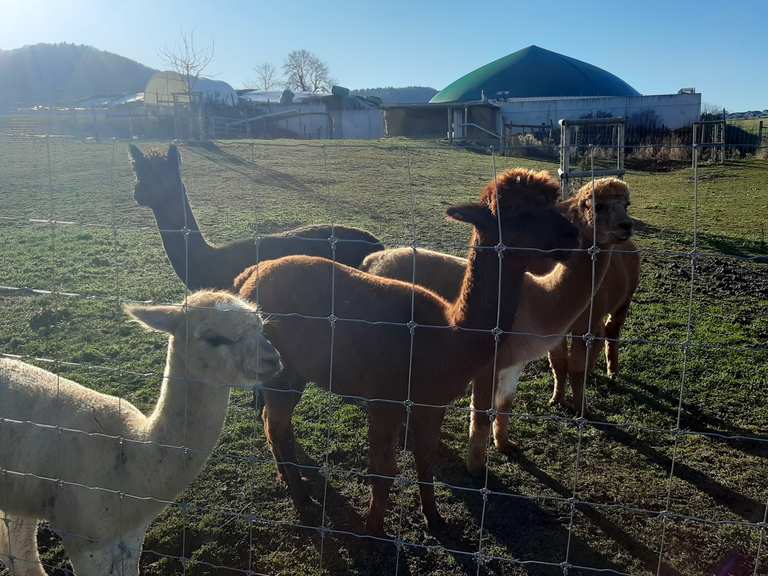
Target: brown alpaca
{"x":550,"y":303}
{"x":370,"y":352}
{"x":201,"y":265}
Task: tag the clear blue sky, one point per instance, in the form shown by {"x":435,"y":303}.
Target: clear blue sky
{"x":657,"y":47}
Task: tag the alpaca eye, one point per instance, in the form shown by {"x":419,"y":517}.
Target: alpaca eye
{"x":217,"y":341}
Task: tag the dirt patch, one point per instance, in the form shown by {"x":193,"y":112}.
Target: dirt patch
{"x":722,"y":276}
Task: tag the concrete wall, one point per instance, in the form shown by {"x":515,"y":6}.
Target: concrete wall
{"x":364,"y":124}
{"x":670,"y":110}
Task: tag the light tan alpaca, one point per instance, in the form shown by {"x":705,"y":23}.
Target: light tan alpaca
{"x":609,"y":312}
{"x":138,"y":463}
{"x":550,"y":303}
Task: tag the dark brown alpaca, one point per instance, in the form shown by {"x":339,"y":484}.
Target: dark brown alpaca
{"x":202,"y":265}
{"x":379,"y":361}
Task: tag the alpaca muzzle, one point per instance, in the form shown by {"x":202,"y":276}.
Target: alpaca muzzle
{"x":262,"y":364}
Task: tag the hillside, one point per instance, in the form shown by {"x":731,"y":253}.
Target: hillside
{"x":405,"y":95}
{"x":64,"y":73}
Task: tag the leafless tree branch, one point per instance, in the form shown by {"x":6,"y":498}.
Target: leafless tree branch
{"x":188,"y":59}
{"x":306,"y":72}
{"x":266,"y":76}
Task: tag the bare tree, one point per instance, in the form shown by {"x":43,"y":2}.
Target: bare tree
{"x":266,"y":76}
{"x":711,"y":111}
{"x":188,"y":60}
{"x":306,"y":72}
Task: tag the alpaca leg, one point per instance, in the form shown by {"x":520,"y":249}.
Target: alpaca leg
{"x":427,"y":424}
{"x":479,"y":425}
{"x":18,"y":546}
{"x":506,"y":390}
{"x":612,"y":330}
{"x":278,"y":428}
{"x":558,"y":361}
{"x":581,"y":363}
{"x":119,"y":557}
{"x":384,"y":422}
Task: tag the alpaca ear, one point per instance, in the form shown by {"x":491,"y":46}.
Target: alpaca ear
{"x":161,"y":318}
{"x":136,"y":155}
{"x":174,"y":156}
{"x":476,"y":214}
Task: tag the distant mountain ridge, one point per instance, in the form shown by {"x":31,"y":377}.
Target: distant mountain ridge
{"x":61,"y":74}
{"x":405,"y":95}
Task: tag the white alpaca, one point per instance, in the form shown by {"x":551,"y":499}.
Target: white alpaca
{"x":54,"y":429}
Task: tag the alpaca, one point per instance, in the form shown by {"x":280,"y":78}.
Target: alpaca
{"x":550,"y":303}
{"x":201,"y":265}
{"x":57,"y":438}
{"x":609,"y":312}
{"x":370,"y":352}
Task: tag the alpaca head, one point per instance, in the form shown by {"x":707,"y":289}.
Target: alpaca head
{"x":602,"y":206}
{"x":530,"y":229}
{"x":521,"y":188}
{"x":158,"y":177}
{"x":525,"y":200}
{"x":220,"y":336}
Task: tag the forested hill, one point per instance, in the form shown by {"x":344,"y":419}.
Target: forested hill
{"x":65,"y":73}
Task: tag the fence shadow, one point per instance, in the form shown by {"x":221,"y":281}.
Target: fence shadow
{"x":692,"y":417}
{"x":256,"y":173}
{"x":726,"y":245}
{"x":519,"y":523}
{"x":741,"y":505}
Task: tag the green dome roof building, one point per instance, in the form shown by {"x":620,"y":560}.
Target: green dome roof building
{"x":533,"y":72}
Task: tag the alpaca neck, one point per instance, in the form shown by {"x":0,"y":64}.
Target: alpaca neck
{"x":189,"y":413}
{"x":569,"y":284}
{"x":189,"y":253}
{"x":478,"y":306}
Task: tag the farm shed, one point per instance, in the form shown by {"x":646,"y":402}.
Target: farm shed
{"x":312,"y":115}
{"x":167,"y":88}
{"x":477,"y":121}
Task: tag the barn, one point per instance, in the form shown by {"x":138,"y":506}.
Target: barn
{"x":167,"y":88}
{"x":536,"y":87}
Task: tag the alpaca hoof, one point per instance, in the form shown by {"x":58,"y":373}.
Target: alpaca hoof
{"x":576,"y":409}
{"x":436,"y":524}
{"x":506,"y":446}
{"x":557,"y":401}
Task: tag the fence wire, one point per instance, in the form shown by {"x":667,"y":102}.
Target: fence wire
{"x":483,"y":557}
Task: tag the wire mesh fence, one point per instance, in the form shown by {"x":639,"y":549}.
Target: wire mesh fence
{"x":660,"y":470}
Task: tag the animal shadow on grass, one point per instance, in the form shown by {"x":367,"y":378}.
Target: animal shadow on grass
{"x":520,"y":524}
{"x":347,"y":528}
{"x":256,"y":173}
{"x":692,"y":417}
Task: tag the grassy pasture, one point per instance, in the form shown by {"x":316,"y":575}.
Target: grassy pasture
{"x":238,"y":517}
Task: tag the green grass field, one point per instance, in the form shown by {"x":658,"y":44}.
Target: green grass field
{"x":238,"y":518}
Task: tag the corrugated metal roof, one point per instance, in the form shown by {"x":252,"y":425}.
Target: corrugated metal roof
{"x":534,"y":72}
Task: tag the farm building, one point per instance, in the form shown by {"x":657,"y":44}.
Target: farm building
{"x":167,"y":88}
{"x":535,"y":87}
{"x":305,"y":115}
